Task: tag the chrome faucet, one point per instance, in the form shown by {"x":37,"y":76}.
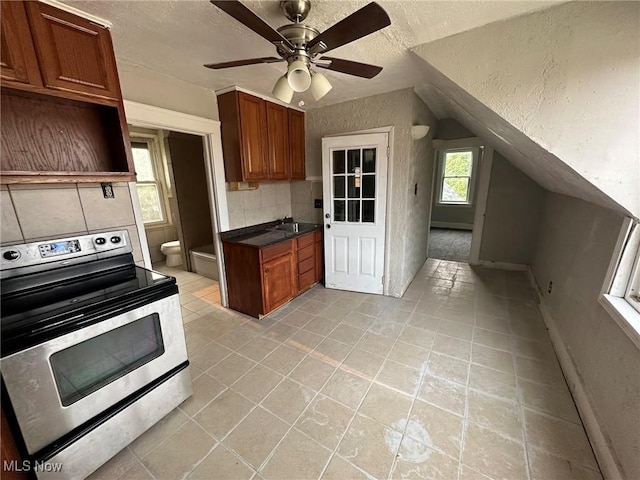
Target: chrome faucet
{"x":283,"y":220}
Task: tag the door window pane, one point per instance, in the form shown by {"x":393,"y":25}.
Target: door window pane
{"x":353,"y":190}
{"x":368,"y":211}
{"x":338,"y":210}
{"x":354,"y":211}
{"x":353,"y":160}
{"x":369,"y":160}
{"x":88,"y":366}
{"x":150,"y":205}
{"x":368,"y":186}
{"x":338,"y":187}
{"x":338,"y":161}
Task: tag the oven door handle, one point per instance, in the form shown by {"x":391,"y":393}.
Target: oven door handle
{"x":66,"y":320}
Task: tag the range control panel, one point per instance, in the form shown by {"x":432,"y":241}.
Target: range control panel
{"x":63,"y":251}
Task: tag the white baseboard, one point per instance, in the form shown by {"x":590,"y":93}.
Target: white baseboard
{"x":601,"y":446}
{"x":504,"y":265}
{"x":452,"y":225}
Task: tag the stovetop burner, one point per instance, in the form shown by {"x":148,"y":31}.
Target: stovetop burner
{"x":43,"y":304}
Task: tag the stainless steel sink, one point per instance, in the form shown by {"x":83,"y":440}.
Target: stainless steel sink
{"x":294,"y":227}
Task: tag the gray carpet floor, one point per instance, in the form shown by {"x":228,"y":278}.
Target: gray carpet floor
{"x":452,"y":245}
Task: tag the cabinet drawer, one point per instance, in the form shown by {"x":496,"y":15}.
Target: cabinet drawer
{"x":306,"y":265}
{"x":275,"y":250}
{"x":304,"y":253}
{"x":305,"y":241}
{"x":306,"y":279}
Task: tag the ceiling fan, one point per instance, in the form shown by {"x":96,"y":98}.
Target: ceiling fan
{"x":304,"y":47}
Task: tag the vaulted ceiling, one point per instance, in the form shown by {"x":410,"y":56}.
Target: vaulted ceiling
{"x":177,"y":37}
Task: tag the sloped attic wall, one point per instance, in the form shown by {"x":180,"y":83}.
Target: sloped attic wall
{"x":557,"y":91}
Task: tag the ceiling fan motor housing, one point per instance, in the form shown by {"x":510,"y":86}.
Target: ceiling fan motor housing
{"x":296,"y":10}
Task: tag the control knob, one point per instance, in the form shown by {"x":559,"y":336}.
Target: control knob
{"x":100,"y":241}
{"x":115,"y":239}
{"x":11,"y":255}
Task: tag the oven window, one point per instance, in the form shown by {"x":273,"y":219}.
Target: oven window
{"x":88,"y":366}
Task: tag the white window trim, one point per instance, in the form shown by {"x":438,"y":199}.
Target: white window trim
{"x":624,"y":275}
{"x":160,"y":173}
{"x":472,"y":179}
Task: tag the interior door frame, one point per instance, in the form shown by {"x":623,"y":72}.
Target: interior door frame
{"x":149,"y":116}
{"x":485,"y":161}
{"x":389,"y":130}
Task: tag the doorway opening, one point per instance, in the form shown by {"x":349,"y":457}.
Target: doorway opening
{"x":460,"y":186}
{"x":180,"y":197}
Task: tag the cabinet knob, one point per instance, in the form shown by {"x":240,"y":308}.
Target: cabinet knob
{"x":266,"y":270}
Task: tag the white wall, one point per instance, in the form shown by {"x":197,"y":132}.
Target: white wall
{"x":512,"y":215}
{"x":412,"y":162}
{"x":140,"y":84}
{"x":574,"y":246}
{"x":567,"y":78}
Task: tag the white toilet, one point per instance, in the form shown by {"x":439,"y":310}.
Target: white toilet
{"x":172,"y":251}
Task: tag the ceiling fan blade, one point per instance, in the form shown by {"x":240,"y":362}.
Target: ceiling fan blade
{"x":365,"y":21}
{"x":245,"y":16}
{"x":242,"y":63}
{"x":350,"y":67}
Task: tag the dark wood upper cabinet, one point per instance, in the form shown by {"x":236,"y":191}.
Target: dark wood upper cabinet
{"x":62,"y":112}
{"x":257,"y":139}
{"x":253,"y":134}
{"x":297,"y":144}
{"x":18,"y":61}
{"x":74,"y":54}
{"x":278,"y":141}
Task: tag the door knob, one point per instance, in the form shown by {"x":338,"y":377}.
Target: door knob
{"x":328,"y":226}
{"x":327,"y":215}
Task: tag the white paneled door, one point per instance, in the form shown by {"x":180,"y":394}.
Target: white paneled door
{"x":354,"y":175}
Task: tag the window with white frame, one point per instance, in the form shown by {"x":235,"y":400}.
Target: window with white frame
{"x":629,"y":269}
{"x":456,"y":173}
{"x":150,"y":173}
{"x":621,"y":293}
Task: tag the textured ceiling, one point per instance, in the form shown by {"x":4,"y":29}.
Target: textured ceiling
{"x":177,"y":37}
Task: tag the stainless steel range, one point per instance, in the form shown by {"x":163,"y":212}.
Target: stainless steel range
{"x":93,"y":349}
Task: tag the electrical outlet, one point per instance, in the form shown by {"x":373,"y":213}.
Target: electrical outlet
{"x":550,"y":287}
{"x":317,"y":203}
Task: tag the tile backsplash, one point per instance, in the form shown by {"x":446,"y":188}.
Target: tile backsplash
{"x":250,"y":207}
{"x":303,"y":194}
{"x":32,"y":212}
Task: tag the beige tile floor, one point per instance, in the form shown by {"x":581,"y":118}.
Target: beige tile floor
{"x":456,"y":380}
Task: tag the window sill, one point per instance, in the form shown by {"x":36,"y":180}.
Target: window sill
{"x":458,"y":205}
{"x":627,"y":317}
{"x":156,"y":226}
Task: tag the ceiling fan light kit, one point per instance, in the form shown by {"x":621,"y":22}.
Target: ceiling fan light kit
{"x":299,"y":76}
{"x":320,"y":86}
{"x":282,"y":91}
{"x":303,"y":47}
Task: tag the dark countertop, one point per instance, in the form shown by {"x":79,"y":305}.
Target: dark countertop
{"x":265,"y":234}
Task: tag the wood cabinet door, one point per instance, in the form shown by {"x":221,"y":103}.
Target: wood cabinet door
{"x":278,"y":281}
{"x":253,"y":137}
{"x":18,"y":61}
{"x":278,"y":141}
{"x":74,"y":54}
{"x":297,"y":144}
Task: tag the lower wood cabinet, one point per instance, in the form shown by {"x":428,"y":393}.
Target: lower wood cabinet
{"x":259,"y":280}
